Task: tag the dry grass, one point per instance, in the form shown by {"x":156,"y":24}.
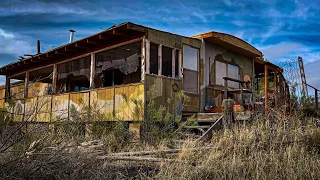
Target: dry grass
{"x":272,"y":148}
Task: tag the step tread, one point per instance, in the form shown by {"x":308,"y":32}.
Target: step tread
{"x":194,"y":127}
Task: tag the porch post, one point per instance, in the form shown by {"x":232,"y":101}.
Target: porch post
{"x":147,"y":56}
{"x":316,"y":97}
{"x":160,"y":60}
{"x":275,"y":79}
{"x":173,"y":63}
{"x":180,"y":69}
{"x":26,"y":85}
{"x":143,"y":59}
{"x":266,"y":88}
{"x":54,"y":79}
{"x":92,"y":70}
{"x":7,"y":90}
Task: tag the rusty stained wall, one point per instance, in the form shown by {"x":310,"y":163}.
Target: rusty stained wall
{"x":214,"y":51}
{"x":106,"y":104}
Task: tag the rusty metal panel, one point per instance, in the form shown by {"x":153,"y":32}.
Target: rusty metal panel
{"x":101,"y":102}
{"x":60,"y":107}
{"x":125,"y":108}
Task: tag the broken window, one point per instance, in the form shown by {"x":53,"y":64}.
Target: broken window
{"x":233,"y":72}
{"x":40,"y":82}
{"x":74,"y":76}
{"x":226,"y":70}
{"x":221,"y":72}
{"x":166,"y":61}
{"x":154,"y":56}
{"x":190,"y":71}
{"x":118,"y":66}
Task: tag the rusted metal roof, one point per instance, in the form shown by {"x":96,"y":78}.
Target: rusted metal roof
{"x":230,"y":42}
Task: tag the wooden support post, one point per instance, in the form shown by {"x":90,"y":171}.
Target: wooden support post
{"x":26,"y":85}
{"x":266,"y":88}
{"x":228,"y":116}
{"x":54,"y":79}
{"x":173,"y":63}
{"x":225,"y":95}
{"x":7,"y":90}
{"x":160,"y":60}
{"x":316,"y":98}
{"x":92,"y":70}
{"x":180,"y":64}
{"x":147,"y":56}
{"x":143,"y":59}
{"x":275,"y":81}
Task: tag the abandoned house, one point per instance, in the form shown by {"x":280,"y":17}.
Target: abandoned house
{"x":101,"y":72}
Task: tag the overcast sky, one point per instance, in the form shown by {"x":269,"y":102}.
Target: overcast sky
{"x":280,"y":29}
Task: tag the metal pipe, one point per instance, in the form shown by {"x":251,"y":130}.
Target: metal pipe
{"x":71,"y":35}
{"x":38,"y":47}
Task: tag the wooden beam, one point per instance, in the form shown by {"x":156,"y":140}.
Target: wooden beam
{"x":180,"y":65}
{"x":92,"y":70}
{"x":275,"y":81}
{"x":266,"y":93}
{"x":103,"y":37}
{"x":143,"y":59}
{"x":119,"y":33}
{"x":160,"y":60}
{"x":54,"y":79}
{"x":94,"y":42}
{"x":26,"y":85}
{"x":147,"y":56}
{"x":173,"y":63}
{"x":7,"y":90}
{"x":316,"y":98}
{"x":82,"y":46}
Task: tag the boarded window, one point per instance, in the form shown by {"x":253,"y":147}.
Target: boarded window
{"x":190,"y":81}
{"x":154,"y":58}
{"x":190,"y":58}
{"x":233,"y":72}
{"x":221,"y":71}
{"x":166,"y":61}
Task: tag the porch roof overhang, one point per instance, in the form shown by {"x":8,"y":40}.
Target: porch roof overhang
{"x":117,"y":34}
{"x":231,"y":42}
{"x":260,"y":64}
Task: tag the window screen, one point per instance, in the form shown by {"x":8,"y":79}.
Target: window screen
{"x":221,"y":71}
{"x":190,"y":58}
{"x":233,"y":72}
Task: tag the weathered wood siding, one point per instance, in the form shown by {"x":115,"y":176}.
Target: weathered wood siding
{"x":215,"y":52}
{"x":193,"y":104}
{"x":106,"y":104}
{"x":163,"y":89}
